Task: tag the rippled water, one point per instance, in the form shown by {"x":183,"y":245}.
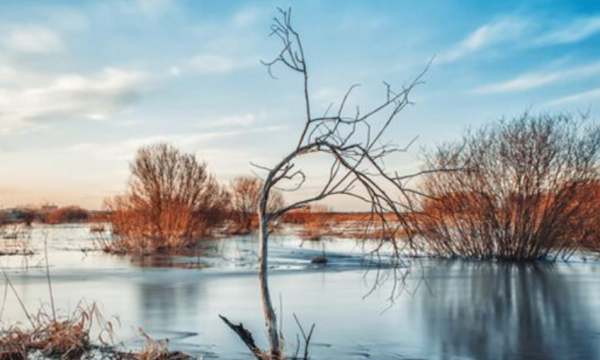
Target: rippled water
{"x":449,"y":309}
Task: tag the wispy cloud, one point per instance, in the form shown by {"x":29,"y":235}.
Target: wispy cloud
{"x":137,"y":10}
{"x":71,"y":96}
{"x":538,"y":79}
{"x":245,"y":17}
{"x":229,"y":121}
{"x":32,"y":39}
{"x":153,"y":8}
{"x":218,"y":64}
{"x":12,"y":74}
{"x":578,"y":30}
{"x":578,"y":98}
{"x":522,"y":32}
{"x":493,"y":33}
{"x":125,"y":149}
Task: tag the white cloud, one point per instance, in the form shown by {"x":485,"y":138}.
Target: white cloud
{"x":32,"y":39}
{"x":12,"y":74}
{"x":136,"y":10}
{"x":245,"y":17}
{"x":327,"y":94}
{"x":538,"y":79}
{"x":581,"y":98}
{"x":216,"y":64}
{"x":70,"y":96}
{"x":153,"y":8}
{"x":126,"y":149}
{"x":515,"y":32}
{"x":490,"y":34}
{"x":578,"y":30}
{"x":226,"y":121}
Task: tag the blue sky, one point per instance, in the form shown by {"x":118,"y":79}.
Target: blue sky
{"x":84,"y":83}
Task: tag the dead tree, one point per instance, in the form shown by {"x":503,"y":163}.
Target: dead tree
{"x":354,"y":143}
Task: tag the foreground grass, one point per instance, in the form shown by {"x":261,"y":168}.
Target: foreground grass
{"x":70,"y":338}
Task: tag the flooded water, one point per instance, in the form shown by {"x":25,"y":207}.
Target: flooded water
{"x":449,"y":309}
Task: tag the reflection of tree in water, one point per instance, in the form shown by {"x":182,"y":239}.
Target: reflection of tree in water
{"x":166,"y":306}
{"x":505,"y":311}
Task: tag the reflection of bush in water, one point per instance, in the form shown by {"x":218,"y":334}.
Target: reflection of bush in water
{"x":506,"y":311}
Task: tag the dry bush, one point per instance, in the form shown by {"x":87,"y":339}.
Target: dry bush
{"x":71,"y":339}
{"x":67,"y":338}
{"x":171,"y":201}
{"x":317,"y":222}
{"x":245,"y":196}
{"x":514,"y":190}
{"x":156,"y":350}
{"x":67,"y":214}
{"x":586,"y":216}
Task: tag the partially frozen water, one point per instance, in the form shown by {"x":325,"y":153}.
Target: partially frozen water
{"x":449,"y":309}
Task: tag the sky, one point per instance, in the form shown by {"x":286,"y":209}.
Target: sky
{"x":83,"y":84}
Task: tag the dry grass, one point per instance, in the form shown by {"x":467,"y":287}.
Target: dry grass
{"x":97,"y":228}
{"x":70,"y":339}
{"x":15,"y":240}
{"x":319,"y":223}
{"x":65,"y":338}
{"x":316,"y":222}
{"x":157,"y":350}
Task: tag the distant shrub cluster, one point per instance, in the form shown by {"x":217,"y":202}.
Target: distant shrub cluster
{"x":67,"y":214}
{"x":515,"y":190}
{"x":45,"y":214}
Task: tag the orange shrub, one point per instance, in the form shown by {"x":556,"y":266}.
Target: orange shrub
{"x":171,"y":201}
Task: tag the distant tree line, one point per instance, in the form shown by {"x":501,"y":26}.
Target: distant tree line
{"x":47,"y":215}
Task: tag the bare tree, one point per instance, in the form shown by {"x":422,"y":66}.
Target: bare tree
{"x":354,"y":144}
{"x":245,"y":196}
{"x":526,"y":191}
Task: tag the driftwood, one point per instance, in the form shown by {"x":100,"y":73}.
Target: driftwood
{"x":247,"y":338}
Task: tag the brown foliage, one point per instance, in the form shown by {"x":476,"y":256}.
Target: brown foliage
{"x":67,"y":214}
{"x":171,"y":201}
{"x":586,"y":216}
{"x":316,"y":222}
{"x":515,"y":190}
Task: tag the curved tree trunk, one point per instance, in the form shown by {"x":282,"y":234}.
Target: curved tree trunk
{"x":265,"y":295}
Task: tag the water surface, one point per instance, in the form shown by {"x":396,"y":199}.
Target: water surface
{"x":448,"y":309}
